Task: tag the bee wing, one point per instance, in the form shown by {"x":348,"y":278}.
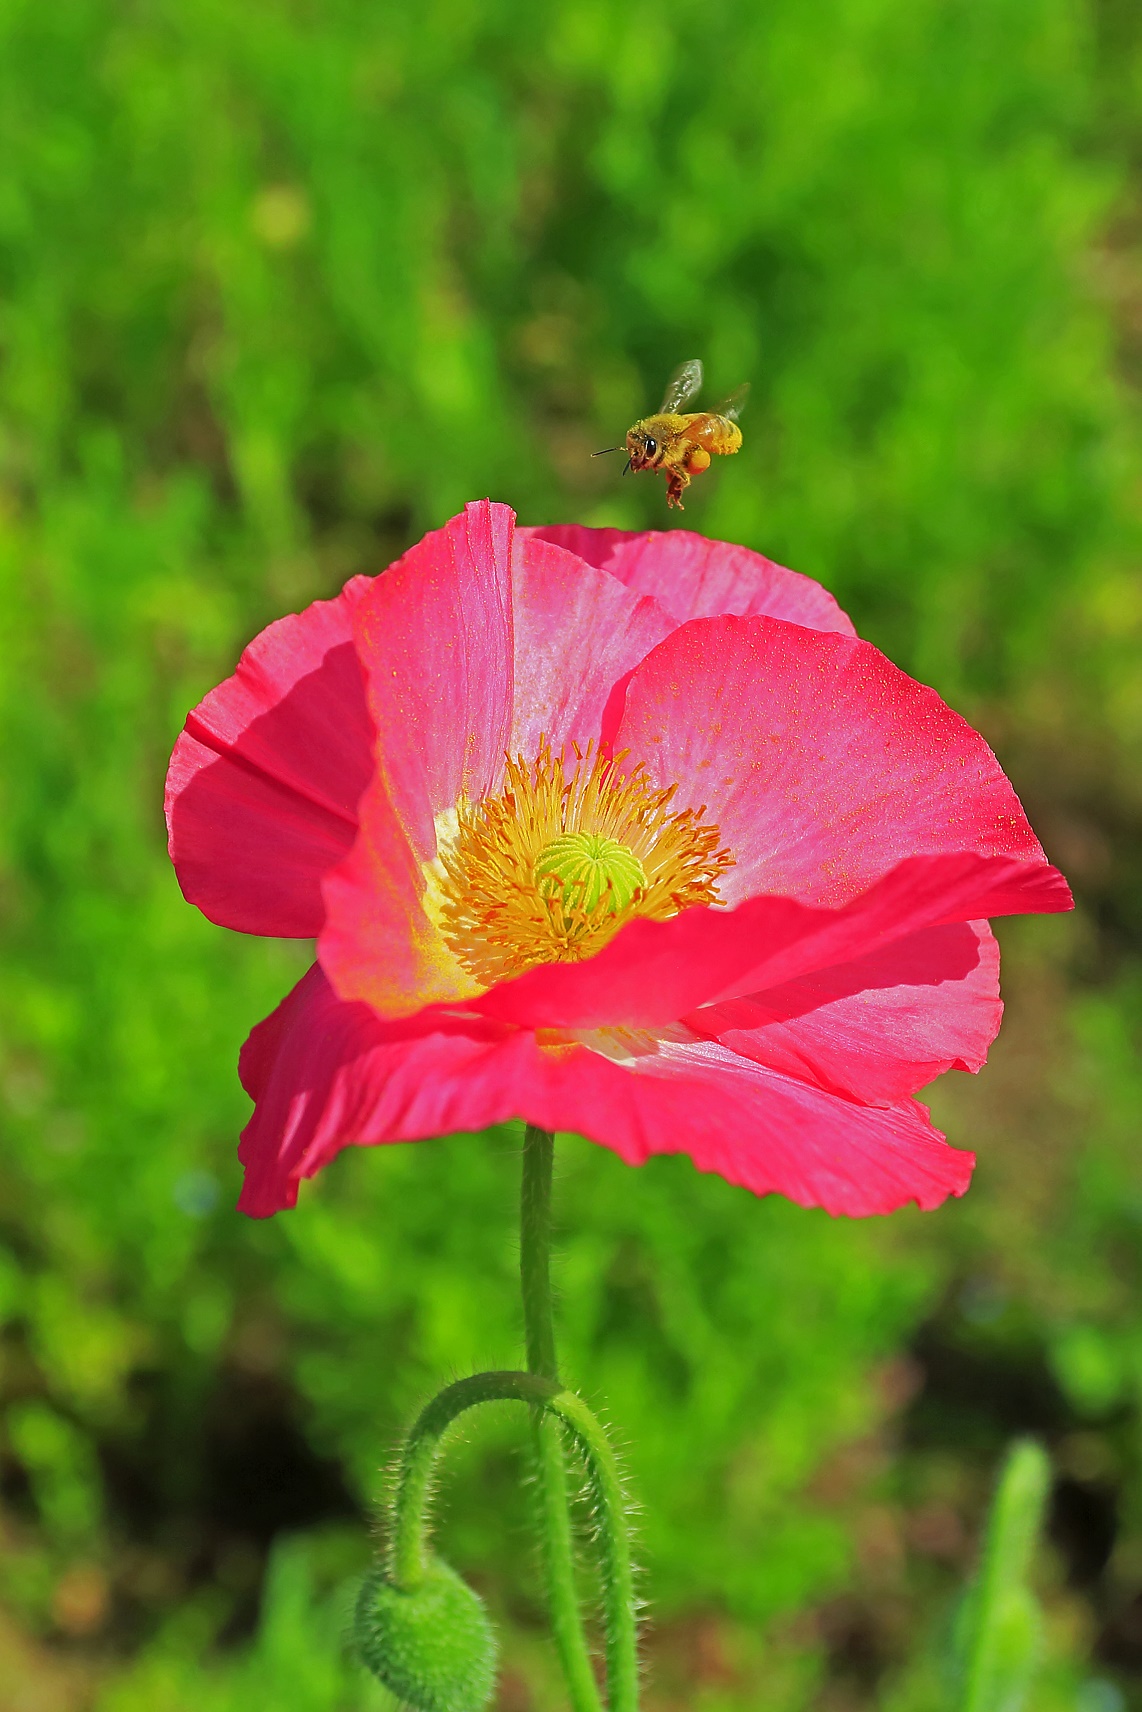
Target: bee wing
{"x":732,"y":407}
{"x":682,"y":386}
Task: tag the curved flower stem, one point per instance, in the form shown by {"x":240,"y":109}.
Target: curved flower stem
{"x":551,"y":1475}
{"x":408,"y":1551}
{"x":408,"y":1547}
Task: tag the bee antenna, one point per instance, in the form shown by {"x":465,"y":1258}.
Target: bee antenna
{"x":627,"y":471}
{"x":607,"y":449}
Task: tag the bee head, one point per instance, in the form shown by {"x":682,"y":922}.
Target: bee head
{"x":644,"y":450}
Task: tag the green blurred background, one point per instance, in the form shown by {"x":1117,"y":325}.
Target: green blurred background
{"x":281,"y":286}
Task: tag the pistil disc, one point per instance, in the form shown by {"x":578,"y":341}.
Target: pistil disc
{"x":583,"y":871}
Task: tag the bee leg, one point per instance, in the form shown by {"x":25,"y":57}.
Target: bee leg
{"x":677,"y":481}
{"x":697,"y":460}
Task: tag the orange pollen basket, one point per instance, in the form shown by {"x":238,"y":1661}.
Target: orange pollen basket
{"x":509,"y":902}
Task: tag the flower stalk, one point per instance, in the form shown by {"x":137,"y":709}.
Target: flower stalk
{"x":549,"y":1420}
{"x":553,"y":1513}
{"x":419,"y":1627}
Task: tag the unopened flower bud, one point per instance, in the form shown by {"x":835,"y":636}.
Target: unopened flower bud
{"x":432,"y":1644}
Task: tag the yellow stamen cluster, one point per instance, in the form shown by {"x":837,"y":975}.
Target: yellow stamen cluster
{"x":552,"y":867}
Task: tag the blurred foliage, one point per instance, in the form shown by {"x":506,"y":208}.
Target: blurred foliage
{"x":998,"y":1635}
{"x":298,"y":1658}
{"x":280,"y":287}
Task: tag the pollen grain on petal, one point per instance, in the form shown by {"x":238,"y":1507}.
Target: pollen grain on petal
{"x":569,"y":851}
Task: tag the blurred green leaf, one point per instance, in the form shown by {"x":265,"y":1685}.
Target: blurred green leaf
{"x":999,"y":1635}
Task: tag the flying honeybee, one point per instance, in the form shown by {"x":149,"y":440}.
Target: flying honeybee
{"x":682,"y":446}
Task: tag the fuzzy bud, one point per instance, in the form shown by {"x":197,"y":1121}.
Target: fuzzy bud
{"x":431,"y":1645}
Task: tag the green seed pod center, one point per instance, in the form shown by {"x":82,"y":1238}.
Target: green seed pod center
{"x":586,"y":871}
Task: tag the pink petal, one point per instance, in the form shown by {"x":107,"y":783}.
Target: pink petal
{"x":769,"y":1133}
{"x":326,"y":1074}
{"x":378,"y":943}
{"x":654,"y":972}
{"x":558,"y":635}
{"x":822,"y":764}
{"x":878,"y":1028}
{"x":264,"y":782}
{"x":578,"y":634}
{"x":695,"y":578}
{"x":434,"y":636}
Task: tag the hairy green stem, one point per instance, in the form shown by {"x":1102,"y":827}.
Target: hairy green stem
{"x":551,"y":1474}
{"x":409,"y":1555}
{"x":408,"y":1545}
{"x":554,"y":1412}
{"x":614,"y":1549}
{"x":535,"y":1251}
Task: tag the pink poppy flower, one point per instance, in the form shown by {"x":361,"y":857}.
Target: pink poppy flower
{"x":628,"y":835}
